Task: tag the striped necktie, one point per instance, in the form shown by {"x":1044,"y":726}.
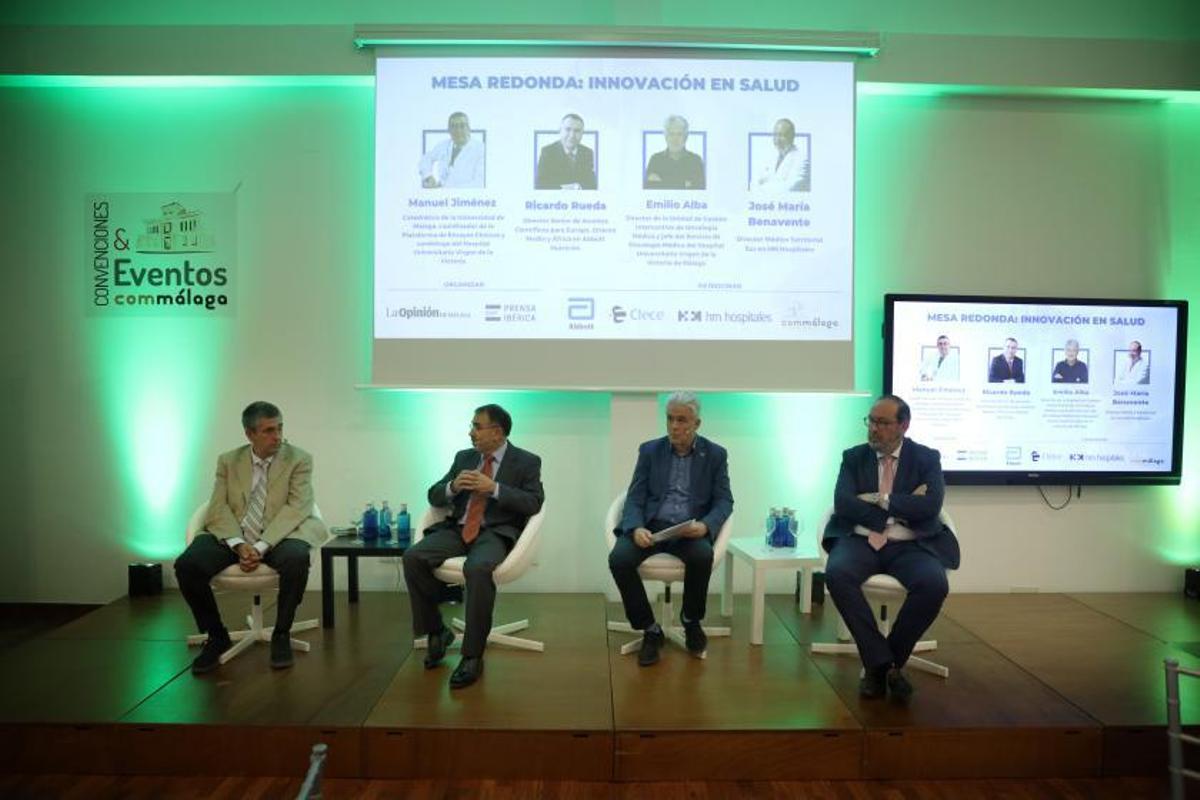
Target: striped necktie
{"x":252,"y":522}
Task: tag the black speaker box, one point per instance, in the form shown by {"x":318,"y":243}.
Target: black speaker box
{"x":145,"y":579}
{"x":1191,"y":583}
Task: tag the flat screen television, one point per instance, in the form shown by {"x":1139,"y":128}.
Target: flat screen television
{"x":1041,"y":390}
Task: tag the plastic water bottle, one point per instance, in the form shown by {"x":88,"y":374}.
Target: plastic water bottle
{"x":403,"y":527}
{"x":370,"y":524}
{"x":789,"y":528}
{"x":385,"y":522}
{"x":772,"y":521}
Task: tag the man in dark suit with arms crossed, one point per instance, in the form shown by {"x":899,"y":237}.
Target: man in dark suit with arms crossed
{"x":677,"y":478}
{"x":491,"y":489}
{"x":886,"y":505}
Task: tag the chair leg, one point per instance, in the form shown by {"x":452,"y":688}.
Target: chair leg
{"x":848,"y":648}
{"x":244,"y":639}
{"x":922,"y":665}
{"x":625,"y":627}
{"x":498,"y":636}
{"x":256,"y":631}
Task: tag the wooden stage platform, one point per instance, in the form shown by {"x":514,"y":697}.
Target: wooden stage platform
{"x":1041,"y":685}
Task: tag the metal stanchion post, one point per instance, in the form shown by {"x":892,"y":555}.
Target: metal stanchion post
{"x":311,"y":788}
{"x":1174,"y":729}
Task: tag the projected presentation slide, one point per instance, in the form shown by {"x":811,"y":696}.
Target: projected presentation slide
{"x":1025,"y":387}
{"x":613,"y":198}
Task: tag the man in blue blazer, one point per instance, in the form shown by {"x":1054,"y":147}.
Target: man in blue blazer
{"x":885,"y":520}
{"x":679,"y":478}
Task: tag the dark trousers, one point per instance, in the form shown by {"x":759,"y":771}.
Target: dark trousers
{"x":852,"y":561}
{"x":424,"y":589}
{"x":206,"y":556}
{"x":626,"y":556}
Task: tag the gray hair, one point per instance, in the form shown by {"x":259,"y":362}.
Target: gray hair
{"x":1073,"y":342}
{"x":688,"y":399}
{"x":675,"y":118}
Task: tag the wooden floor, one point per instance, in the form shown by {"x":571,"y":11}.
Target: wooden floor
{"x":1043,"y":688}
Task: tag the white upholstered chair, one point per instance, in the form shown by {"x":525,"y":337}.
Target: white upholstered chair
{"x":886,"y":595}
{"x":668,"y":569}
{"x":261,"y":580}
{"x":515,"y":564}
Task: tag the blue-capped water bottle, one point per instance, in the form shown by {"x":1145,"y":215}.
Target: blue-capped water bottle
{"x":772,"y":521}
{"x":370,"y":524}
{"x":385,"y":522}
{"x":779,"y":534}
{"x":403,"y":527}
{"x":789,"y":534}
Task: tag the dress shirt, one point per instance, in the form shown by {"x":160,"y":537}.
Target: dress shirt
{"x":497,"y":457}
{"x":676,"y":503}
{"x":895,"y":530}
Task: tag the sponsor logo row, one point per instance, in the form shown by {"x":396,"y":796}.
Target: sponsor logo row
{"x":1016,"y":456}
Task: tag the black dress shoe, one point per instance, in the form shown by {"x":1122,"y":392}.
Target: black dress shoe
{"x":210,"y":654}
{"x":652,"y":643}
{"x":898,"y":685}
{"x":281,"y":650}
{"x":695,"y":638}
{"x":467,"y":672}
{"x":873,"y":683}
{"x":436,"y":645}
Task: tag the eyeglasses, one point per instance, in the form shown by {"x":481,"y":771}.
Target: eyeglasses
{"x":475,"y":426}
{"x":879,"y":423}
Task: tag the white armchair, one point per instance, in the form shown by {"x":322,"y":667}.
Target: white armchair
{"x":668,"y":569}
{"x":883,"y":592}
{"x":260,"y":580}
{"x":519,"y":559}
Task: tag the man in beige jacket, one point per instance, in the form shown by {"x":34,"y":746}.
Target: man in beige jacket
{"x":260,"y":512}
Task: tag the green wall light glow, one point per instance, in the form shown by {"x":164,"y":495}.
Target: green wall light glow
{"x":155,"y":382}
{"x":181,"y":81}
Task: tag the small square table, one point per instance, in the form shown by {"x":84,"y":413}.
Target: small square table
{"x":353,"y":548}
{"x":805,"y":556}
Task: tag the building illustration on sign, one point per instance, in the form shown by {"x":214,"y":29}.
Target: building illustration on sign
{"x":178,"y":230}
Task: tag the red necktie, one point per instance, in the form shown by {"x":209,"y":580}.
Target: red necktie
{"x":476,"y":505}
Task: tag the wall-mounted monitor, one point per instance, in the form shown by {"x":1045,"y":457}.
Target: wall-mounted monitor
{"x":1041,"y":390}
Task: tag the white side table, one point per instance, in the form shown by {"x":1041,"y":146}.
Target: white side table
{"x":754,"y":551}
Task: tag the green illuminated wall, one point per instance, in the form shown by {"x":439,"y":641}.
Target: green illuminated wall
{"x":112,"y":426}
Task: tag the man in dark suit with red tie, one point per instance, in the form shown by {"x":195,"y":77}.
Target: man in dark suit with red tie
{"x":492,"y":489}
{"x":886,"y":508}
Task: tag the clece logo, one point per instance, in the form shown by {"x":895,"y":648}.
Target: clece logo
{"x":581,"y":309}
{"x":618,"y":314}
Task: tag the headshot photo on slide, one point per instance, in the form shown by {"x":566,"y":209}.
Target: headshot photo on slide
{"x":780,"y":161}
{"x":567,"y":158}
{"x":453,"y":158}
{"x":676,"y":166}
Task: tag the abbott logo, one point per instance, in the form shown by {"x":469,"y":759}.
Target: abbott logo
{"x":581,"y":308}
